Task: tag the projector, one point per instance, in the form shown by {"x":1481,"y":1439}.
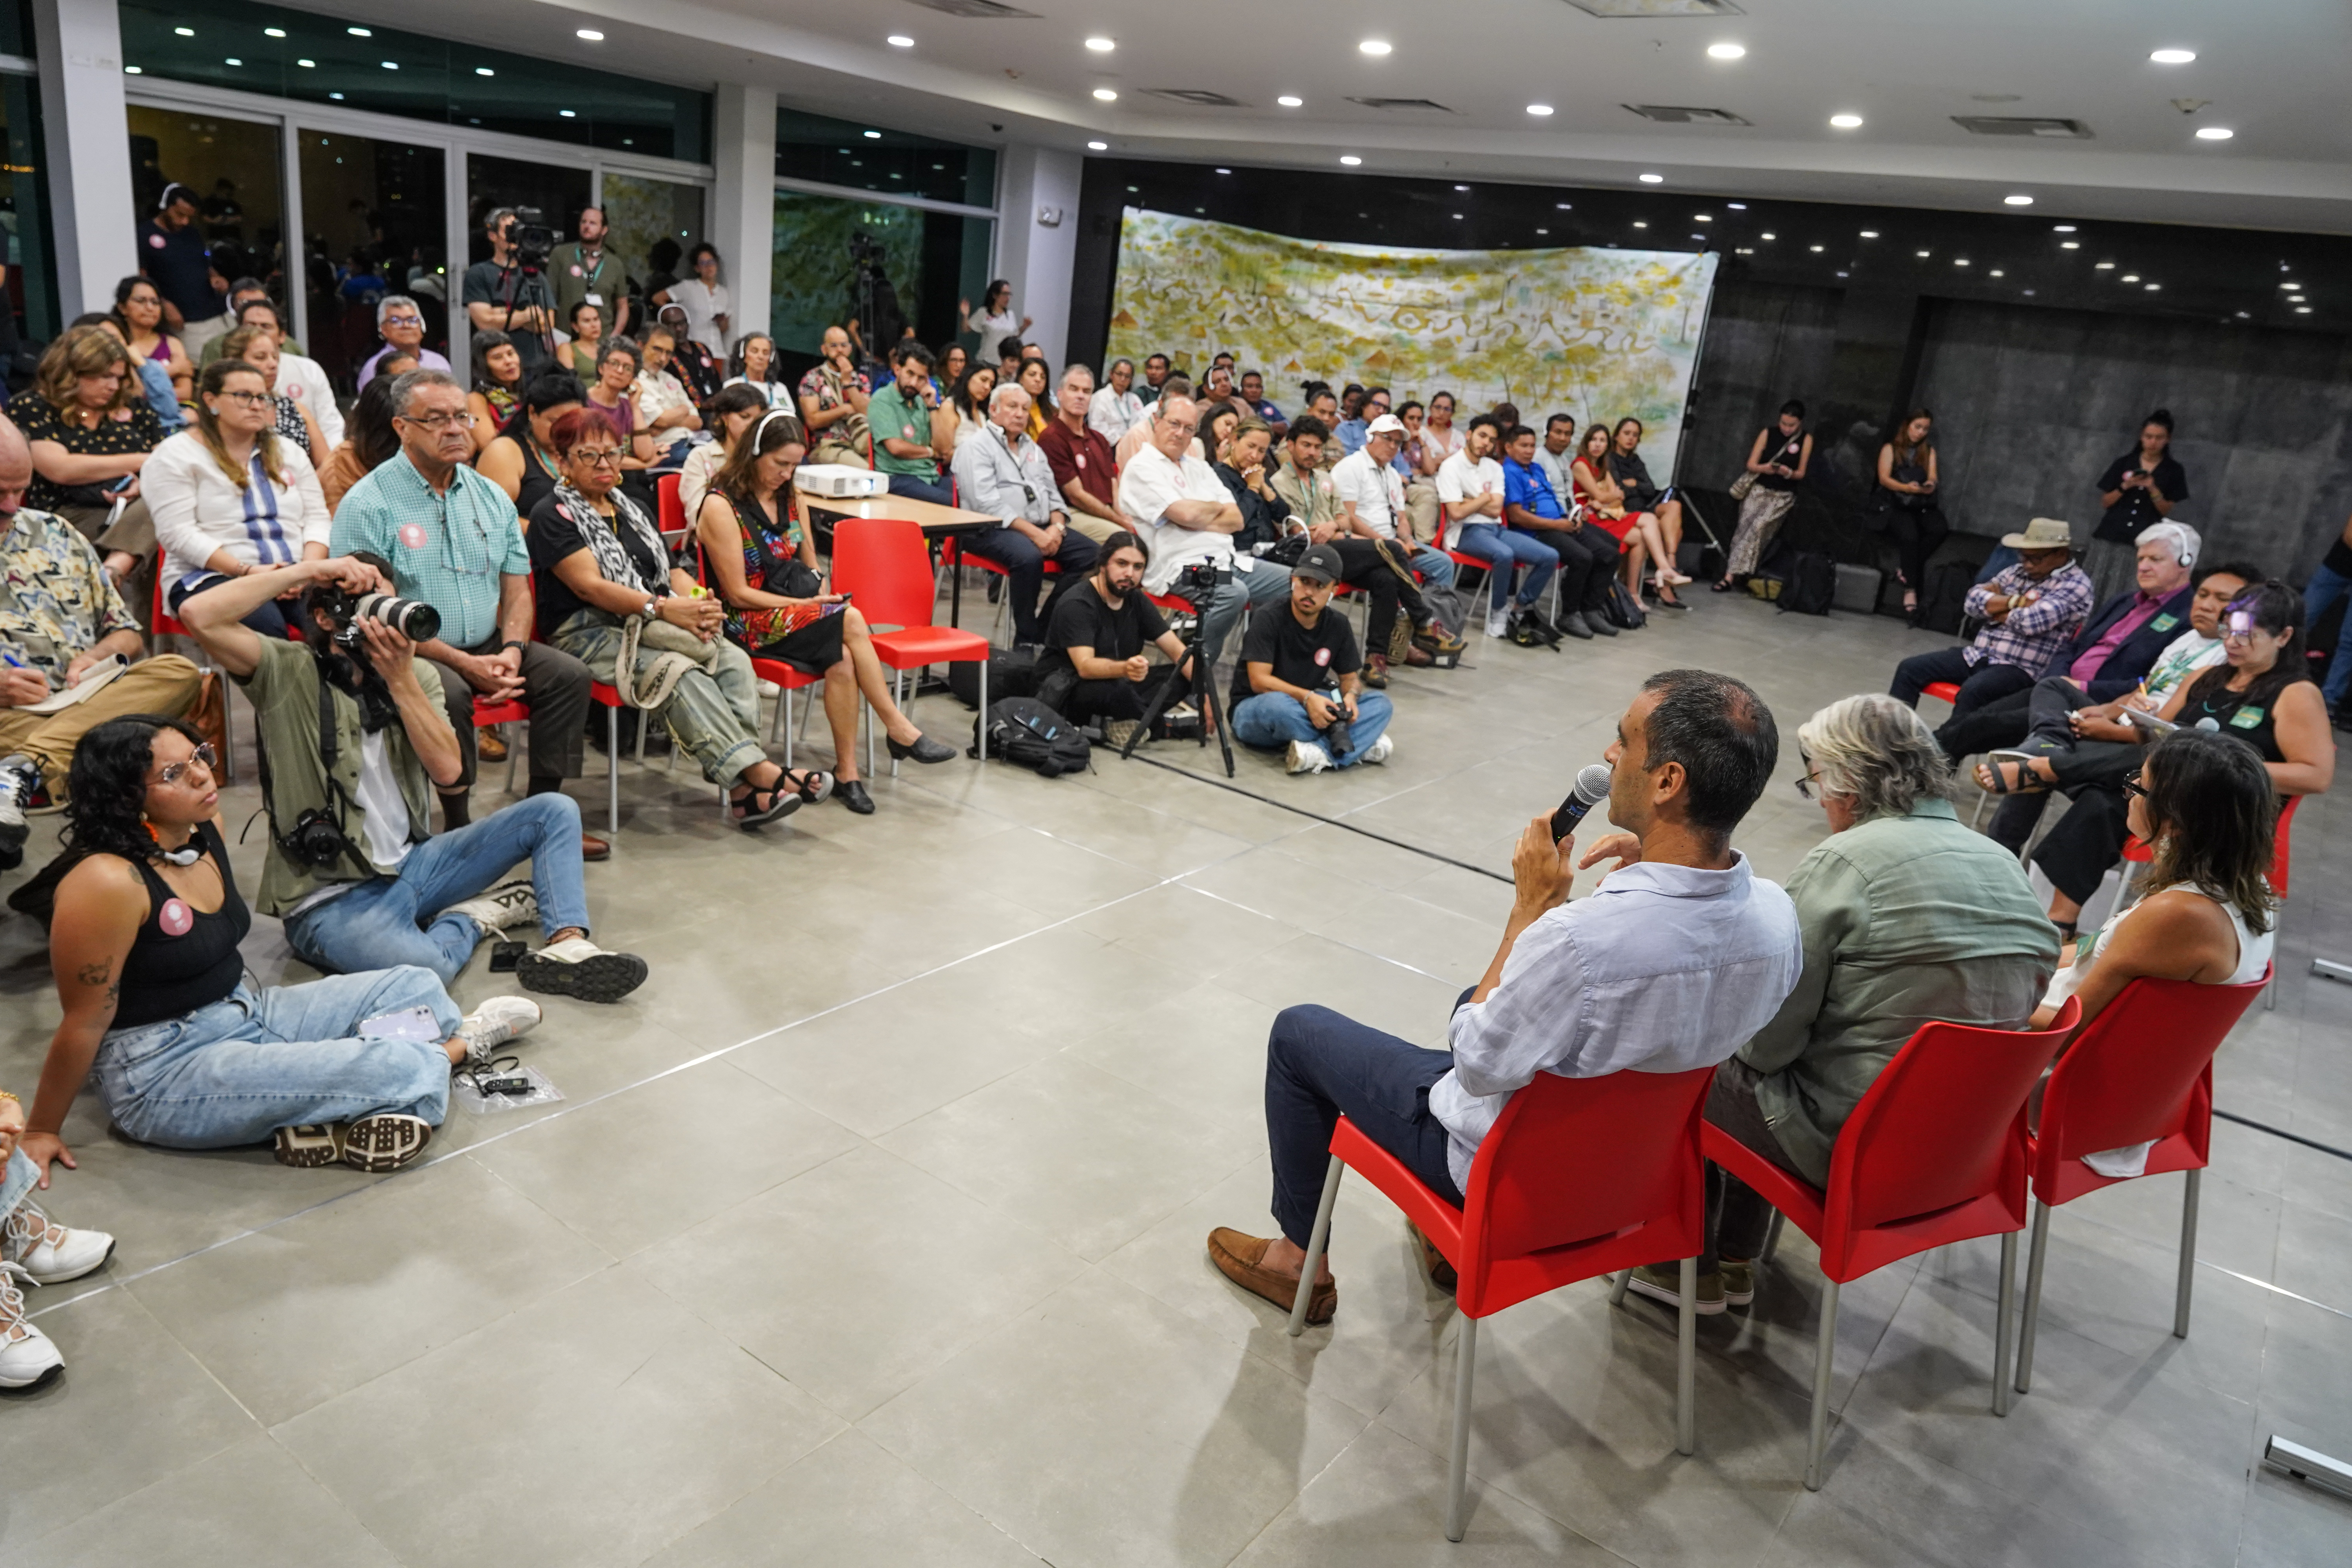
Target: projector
{"x":839,"y":481}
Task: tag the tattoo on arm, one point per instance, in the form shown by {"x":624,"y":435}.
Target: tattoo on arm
{"x":98,"y":974}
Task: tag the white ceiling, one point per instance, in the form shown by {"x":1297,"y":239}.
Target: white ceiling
{"x":2274,"y":72}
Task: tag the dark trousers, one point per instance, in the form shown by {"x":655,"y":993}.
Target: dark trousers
{"x":269,"y":620}
{"x":1915,"y":535}
{"x":1979,"y":683}
{"x":1106,"y":701}
{"x":1384,"y":575}
{"x":1024,"y":569}
{"x":1737,"y":1214}
{"x":1588,"y":559}
{"x":2079,"y":764}
{"x":1320,"y":1066}
{"x":554,"y":686}
{"x":917,"y":489}
{"x":2076,"y":854}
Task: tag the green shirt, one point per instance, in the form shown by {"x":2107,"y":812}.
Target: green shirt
{"x":449,"y":550}
{"x":284,"y":688}
{"x":1313,"y":499}
{"x":894,"y":417}
{"x":1906,"y":920}
{"x":575,"y":279}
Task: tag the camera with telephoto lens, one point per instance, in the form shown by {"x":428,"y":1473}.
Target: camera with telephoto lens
{"x":412,"y":618}
{"x":532,"y":240}
{"x":1338,"y":738}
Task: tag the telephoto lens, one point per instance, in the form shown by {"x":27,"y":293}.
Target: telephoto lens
{"x":412,"y":618}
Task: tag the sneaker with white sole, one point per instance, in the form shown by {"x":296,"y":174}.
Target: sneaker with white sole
{"x":1499,"y":621}
{"x":48,"y":1253}
{"x":578,"y":967}
{"x":20,"y":781}
{"x":27,"y":1358}
{"x":488,"y":1026}
{"x":1664,"y":1282}
{"x":381,"y":1144}
{"x":309,"y":1146}
{"x":507,"y":905}
{"x":1378,"y":751}
{"x":1116,"y":734}
{"x":1307,"y":757}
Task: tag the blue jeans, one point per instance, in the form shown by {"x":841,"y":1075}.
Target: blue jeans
{"x":1320,"y":1066}
{"x":915,"y":488}
{"x":1505,"y":551}
{"x":1272,"y":720}
{"x":1434,"y":564}
{"x":1263,"y":583}
{"x":2325,"y":587}
{"x":15,"y":1180}
{"x":384,"y":922}
{"x":237,"y":1072}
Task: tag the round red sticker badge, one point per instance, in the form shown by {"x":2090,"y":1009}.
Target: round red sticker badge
{"x":575,"y":269}
{"x":411,"y":534}
{"x":155,"y":241}
{"x":175,"y":917}
{"x":1322,"y":657}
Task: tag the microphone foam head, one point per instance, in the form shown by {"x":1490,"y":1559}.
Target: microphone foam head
{"x":2209,"y":724}
{"x":1592,"y":781}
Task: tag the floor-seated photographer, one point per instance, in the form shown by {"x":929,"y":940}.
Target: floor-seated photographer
{"x":1908,"y":918}
{"x":1184,"y":513}
{"x":143,"y":938}
{"x":455,"y":543}
{"x":1297,"y":683}
{"x":1676,"y":956}
{"x":353,"y":739}
{"x":1095,"y":671}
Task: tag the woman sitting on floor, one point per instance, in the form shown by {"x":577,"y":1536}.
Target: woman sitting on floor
{"x":143,"y":943}
{"x":763,"y":565}
{"x":606,"y":589}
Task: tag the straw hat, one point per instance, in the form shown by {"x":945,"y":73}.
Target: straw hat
{"x":2042,"y":534}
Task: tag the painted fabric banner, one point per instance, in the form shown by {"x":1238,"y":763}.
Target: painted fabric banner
{"x":1594,"y":333}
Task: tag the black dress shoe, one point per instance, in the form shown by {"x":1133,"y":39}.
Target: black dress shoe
{"x":852,"y":793}
{"x":1575,"y":624}
{"x":924,"y":750}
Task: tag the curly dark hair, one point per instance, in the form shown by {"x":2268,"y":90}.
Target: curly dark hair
{"x":2213,"y":818}
{"x":105,"y":813}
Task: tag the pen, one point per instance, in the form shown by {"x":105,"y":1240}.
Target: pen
{"x":14,"y":662}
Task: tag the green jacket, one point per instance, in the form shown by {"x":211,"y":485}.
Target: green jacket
{"x":1906,"y":920}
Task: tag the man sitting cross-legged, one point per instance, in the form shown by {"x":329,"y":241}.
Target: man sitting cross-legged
{"x":1680,"y":954}
{"x":1297,"y":682}
{"x":1094,"y":667}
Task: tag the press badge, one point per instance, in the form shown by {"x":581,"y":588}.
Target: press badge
{"x":2165,"y":622}
{"x":2246,"y":718}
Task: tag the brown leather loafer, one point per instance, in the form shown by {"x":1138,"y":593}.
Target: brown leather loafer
{"x":594,"y":849}
{"x":1237,"y":1258}
{"x":489,"y":747}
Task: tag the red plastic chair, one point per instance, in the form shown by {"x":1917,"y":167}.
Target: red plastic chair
{"x":1578,"y":1177}
{"x":786,"y":678}
{"x":1949,"y":690}
{"x":1935,"y":1153}
{"x":884,"y":564}
{"x":487,"y":713}
{"x":952,"y":557}
{"x":2142,"y":1072}
{"x":671,"y":511}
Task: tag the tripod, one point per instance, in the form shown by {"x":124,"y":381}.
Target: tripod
{"x":1202,"y":689}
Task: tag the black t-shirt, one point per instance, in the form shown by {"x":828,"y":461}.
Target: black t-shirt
{"x":175,"y":261}
{"x":1083,"y":620}
{"x":1313,"y":659}
{"x":2133,"y":510}
{"x":1633,"y":476}
{"x":554,"y":535}
{"x":488,"y":283}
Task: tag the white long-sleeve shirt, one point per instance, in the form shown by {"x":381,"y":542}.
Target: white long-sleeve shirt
{"x":1659,"y":969}
{"x":305,"y":381}
{"x":1113,"y":413}
{"x":198,"y":509}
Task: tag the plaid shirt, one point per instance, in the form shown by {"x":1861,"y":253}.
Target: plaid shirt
{"x":56,"y":601}
{"x":448,"y":550}
{"x":2033,"y":635}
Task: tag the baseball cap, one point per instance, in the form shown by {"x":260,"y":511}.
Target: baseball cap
{"x":1386,"y":425}
{"x":1320,"y":562}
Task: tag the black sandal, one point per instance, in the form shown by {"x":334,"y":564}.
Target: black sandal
{"x":816,"y":784}
{"x":780,"y":802}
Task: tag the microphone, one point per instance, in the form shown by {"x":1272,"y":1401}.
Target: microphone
{"x":2209,"y":724}
{"x":1591,"y":789}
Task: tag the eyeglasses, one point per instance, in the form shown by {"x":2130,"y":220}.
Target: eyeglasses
{"x":608,"y":458}
{"x":1181,"y":427}
{"x":170,"y":773}
{"x":1806,"y":786}
{"x":2132,"y":786}
{"x":403,"y":320}
{"x":247,"y":399}
{"x":437,"y":423}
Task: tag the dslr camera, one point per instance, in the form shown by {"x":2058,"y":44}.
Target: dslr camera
{"x":1200,"y":580}
{"x":412,"y":618}
{"x":1337,"y":736}
{"x":532,"y":239}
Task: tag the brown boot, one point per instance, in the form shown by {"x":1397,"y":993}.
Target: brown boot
{"x":1237,"y":1258}
{"x":1376,"y":673}
{"x":489,"y":747}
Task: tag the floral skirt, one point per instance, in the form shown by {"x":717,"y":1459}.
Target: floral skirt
{"x":804,"y":637}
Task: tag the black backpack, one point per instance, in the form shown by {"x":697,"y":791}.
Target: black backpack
{"x":1812,"y":587}
{"x":1945,"y":602}
{"x":1012,"y":672}
{"x":1621,"y":609}
{"x":1026,"y":732}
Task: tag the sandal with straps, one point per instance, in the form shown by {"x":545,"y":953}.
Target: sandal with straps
{"x":761,"y":807}
{"x":1991,"y":779}
{"x":816,"y":784}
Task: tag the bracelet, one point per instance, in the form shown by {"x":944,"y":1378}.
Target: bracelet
{"x":11,"y":1099}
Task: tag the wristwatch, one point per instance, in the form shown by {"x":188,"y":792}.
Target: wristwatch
{"x":651,"y":610}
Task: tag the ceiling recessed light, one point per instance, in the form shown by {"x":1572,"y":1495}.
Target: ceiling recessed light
{"x":1098,"y":146}
{"x":568,"y":113}
{"x":1845,"y":274}
{"x":2303,"y":309}
{"x":1457,"y":217}
{"x":1106,"y":95}
{"x":589,"y":34}
{"x":1702,"y":217}
{"x":900,"y":41}
{"x":1563,"y":206}
{"x":307,"y":65}
{"x":233,"y":60}
{"x":2154,"y":287}
{"x":1543,"y":231}
{"x":1737,"y":206}
{"x":2215,"y":133}
{"x":1747,"y":250}
{"x":2061,"y":228}
{"x":1540,"y":109}
{"x":1923,"y":255}
{"x":1997,"y":272}
{"x":1289,"y":100}
{"x":484,"y":70}
{"x":361,"y":32}
{"x":1726,"y":51}
{"x":1768,"y":237}
{"x":392,"y":65}
{"x":2285,"y":285}
{"x":1461,"y":187}
{"x":2070,"y":244}
{"x":1960,"y":261}
{"x":2294,"y":298}
{"x":1350,"y":159}
{"x":1101,"y":45}
{"x":2103,"y":267}
{"x":1654,"y":179}
{"x":273,"y":32}
{"x":2018,"y":201}
{"x":134,"y":70}
{"x":1373,"y":47}
{"x":1869,"y":234}
{"x":336,"y":96}
{"x":1816,"y":249}
{"x":2173,"y":57}
{"x":185,"y":32}
{"x":1638,"y":223}
{"x":1224,"y":171}
{"x":2131,"y":277}
{"x":1847,"y":121}
{"x":874,"y":136}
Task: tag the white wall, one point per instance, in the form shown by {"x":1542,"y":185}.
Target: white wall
{"x":743,"y":204}
{"x":1039,"y":258}
{"x":88,"y":143}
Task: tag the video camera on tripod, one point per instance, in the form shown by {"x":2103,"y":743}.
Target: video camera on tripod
{"x":532,"y":240}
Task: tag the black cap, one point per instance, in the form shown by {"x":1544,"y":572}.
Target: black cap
{"x":1320,"y":561}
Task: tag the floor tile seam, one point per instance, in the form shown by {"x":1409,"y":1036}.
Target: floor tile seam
{"x":2117,"y":1230}
{"x":1368,"y":953}
{"x":1371,"y":887}
{"x":716,"y":1054}
{"x":1837,"y":1405}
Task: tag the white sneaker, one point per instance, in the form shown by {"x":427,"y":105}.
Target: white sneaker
{"x":20,"y":780}
{"x":578,"y":967}
{"x":1499,"y":621}
{"x":493,"y":1024}
{"x":48,"y":1253}
{"x":770,"y":689}
{"x":507,"y":905}
{"x":1307,"y":757}
{"x":1378,"y":751}
{"x":27,"y":1358}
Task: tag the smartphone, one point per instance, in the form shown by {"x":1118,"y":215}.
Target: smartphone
{"x":505,"y":955}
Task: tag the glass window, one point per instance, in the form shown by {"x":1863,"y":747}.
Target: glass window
{"x":876,"y":158}
{"x":232,"y":166}
{"x":888,"y":267}
{"x":652,"y":224}
{"x":375,"y":215}
{"x":295,"y":54}
{"x":28,"y":299}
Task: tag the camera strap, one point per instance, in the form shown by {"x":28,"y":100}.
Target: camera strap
{"x":337,"y":802}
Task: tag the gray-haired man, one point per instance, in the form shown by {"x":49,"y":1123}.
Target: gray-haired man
{"x":999,"y":470}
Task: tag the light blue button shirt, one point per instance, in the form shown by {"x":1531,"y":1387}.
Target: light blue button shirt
{"x":1659,"y":969}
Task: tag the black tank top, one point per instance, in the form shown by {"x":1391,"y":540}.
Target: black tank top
{"x":538,"y":484}
{"x":2256,"y":725}
{"x":182,"y":959}
{"x":1790,"y":453}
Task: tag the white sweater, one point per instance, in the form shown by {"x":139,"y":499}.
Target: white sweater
{"x":197,"y":511}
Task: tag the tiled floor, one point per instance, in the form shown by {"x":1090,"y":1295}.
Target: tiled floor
{"x":870,"y":1230}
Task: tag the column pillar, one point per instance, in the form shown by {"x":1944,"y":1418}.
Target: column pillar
{"x":1038,"y":241}
{"x":743,"y":224}
{"x":87,"y":139}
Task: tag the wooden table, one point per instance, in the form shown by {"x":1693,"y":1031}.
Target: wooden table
{"x":938,"y":523}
